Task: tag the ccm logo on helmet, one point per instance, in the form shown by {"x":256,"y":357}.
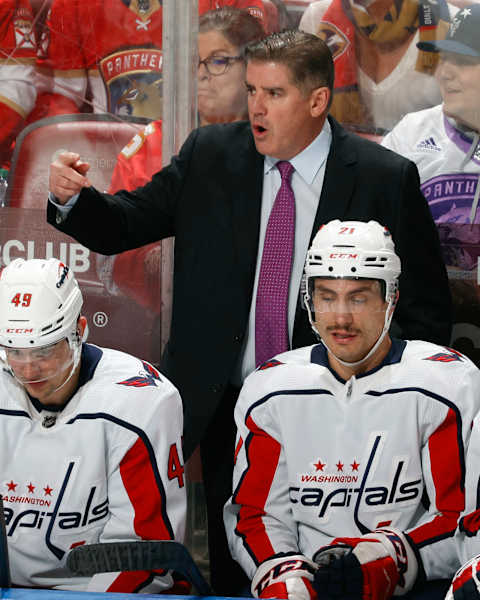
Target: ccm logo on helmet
{"x":20,"y":330}
{"x":342,"y":255}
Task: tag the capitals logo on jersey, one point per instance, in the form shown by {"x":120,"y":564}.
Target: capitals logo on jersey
{"x":349,"y":484}
{"x":42,"y":509}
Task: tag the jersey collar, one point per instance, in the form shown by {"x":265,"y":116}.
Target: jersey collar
{"x":319,"y":356}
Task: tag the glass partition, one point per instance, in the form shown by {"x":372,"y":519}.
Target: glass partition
{"x":122,"y":82}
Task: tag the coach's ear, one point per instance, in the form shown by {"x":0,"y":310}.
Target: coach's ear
{"x":319,"y":99}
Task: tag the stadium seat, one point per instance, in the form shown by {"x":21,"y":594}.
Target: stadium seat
{"x":115,"y":320}
{"x":97,"y":138}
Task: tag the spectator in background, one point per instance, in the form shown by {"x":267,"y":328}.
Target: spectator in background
{"x":216,"y":198}
{"x":379,"y":73}
{"x":106,"y":56}
{"x":295,"y":10}
{"x":90,"y":432}
{"x":443,"y":141}
{"x":17,"y":67}
{"x":222,"y":98}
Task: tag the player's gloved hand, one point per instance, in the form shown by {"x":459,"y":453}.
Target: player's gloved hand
{"x":466,"y":582}
{"x":372,"y":567}
{"x":287,"y":577}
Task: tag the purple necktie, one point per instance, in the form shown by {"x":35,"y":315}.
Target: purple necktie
{"x":271,"y":312}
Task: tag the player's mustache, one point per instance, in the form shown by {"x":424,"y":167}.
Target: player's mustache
{"x":343,"y":329}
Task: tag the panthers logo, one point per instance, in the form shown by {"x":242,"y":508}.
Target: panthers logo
{"x":336,"y":41}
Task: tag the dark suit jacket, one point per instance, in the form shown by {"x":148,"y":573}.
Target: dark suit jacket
{"x":209,"y":198}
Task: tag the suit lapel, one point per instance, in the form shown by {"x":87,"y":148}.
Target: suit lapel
{"x":247,"y":199}
{"x":339,"y":181}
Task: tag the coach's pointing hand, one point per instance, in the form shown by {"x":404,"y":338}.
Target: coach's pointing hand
{"x":67,"y":175}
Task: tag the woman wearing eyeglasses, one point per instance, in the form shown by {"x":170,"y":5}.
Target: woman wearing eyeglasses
{"x":223,"y":35}
{"x":222,"y":96}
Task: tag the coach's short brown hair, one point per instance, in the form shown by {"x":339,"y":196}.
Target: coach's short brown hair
{"x":306,"y":55}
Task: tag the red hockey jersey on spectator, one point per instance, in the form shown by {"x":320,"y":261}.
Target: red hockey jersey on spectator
{"x":17,"y":63}
{"x":106,"y":55}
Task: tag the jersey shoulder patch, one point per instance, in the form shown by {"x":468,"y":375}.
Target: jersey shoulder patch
{"x":150,"y":377}
{"x":268,"y":364}
{"x":450,"y":355}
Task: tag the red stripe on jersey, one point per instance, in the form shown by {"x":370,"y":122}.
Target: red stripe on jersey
{"x":447,"y":478}
{"x":142,"y":489}
{"x":130,"y":581}
{"x":466,"y":575}
{"x":237,"y":450}
{"x":276,"y":590}
{"x":262,"y":455}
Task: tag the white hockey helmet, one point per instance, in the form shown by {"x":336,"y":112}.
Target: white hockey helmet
{"x":353,"y":250}
{"x":40,"y":303}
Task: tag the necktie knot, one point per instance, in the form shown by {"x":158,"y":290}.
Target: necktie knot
{"x":286,"y":169}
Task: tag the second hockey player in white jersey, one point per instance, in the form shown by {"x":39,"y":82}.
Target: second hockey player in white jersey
{"x":349,"y":473}
{"x":90,"y":438}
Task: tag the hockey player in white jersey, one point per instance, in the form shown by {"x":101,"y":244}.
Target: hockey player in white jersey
{"x":90,"y":438}
{"x":349,"y":467}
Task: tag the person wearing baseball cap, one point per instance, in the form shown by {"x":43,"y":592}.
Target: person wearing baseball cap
{"x":443,"y":141}
{"x":462,"y":36}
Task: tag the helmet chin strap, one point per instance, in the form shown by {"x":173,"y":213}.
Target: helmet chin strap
{"x":373,"y":349}
{"x":75,"y":343}
{"x":75,"y":360}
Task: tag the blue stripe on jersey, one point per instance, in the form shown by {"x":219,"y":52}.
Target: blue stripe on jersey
{"x":143,"y":436}
{"x":286,"y":393}
{"x":15,"y":413}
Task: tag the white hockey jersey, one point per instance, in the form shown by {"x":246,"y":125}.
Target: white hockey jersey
{"x":318,"y":457}
{"x":448,"y":161}
{"x":108,"y":467}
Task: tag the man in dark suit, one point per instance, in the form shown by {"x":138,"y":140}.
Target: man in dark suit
{"x":217,"y":198}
